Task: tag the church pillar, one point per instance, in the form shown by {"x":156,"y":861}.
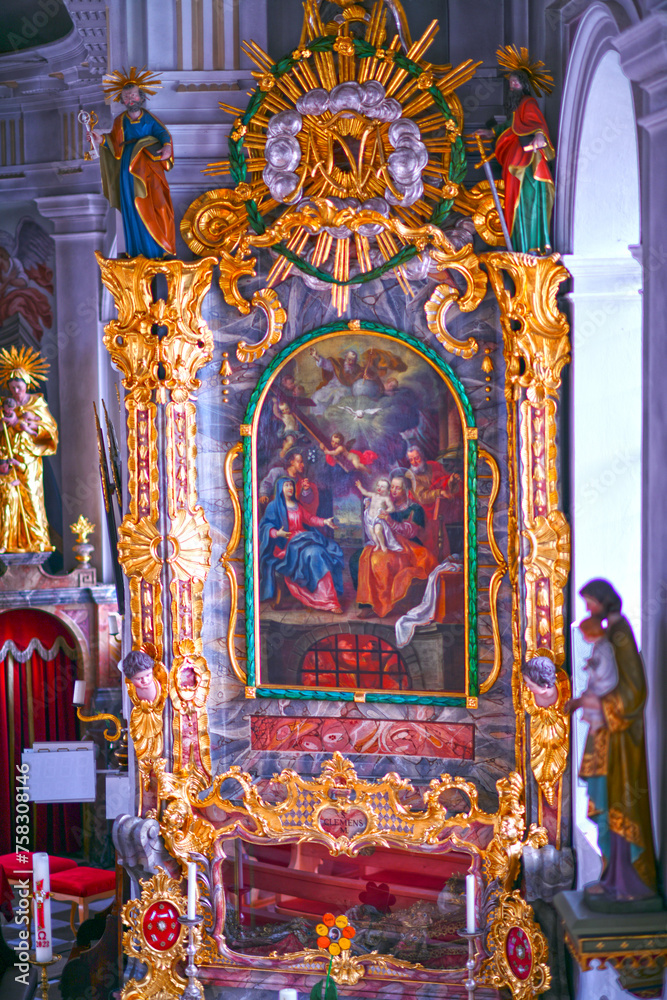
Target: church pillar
{"x":643,"y":52}
{"x":79,"y":229}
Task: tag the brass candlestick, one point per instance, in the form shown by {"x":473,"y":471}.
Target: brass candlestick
{"x":44,"y":978}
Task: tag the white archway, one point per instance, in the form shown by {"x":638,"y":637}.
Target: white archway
{"x":598,"y":220}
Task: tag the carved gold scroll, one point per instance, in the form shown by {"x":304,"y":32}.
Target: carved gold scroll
{"x":536,"y":348}
{"x":159,"y":345}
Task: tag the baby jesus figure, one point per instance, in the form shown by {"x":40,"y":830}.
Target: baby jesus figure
{"x":289,"y":432}
{"x":340,"y":449}
{"x":377,"y":527}
{"x":26,"y":421}
{"x":601,"y":672}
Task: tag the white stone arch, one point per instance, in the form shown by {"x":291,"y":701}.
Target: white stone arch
{"x":598,"y":222}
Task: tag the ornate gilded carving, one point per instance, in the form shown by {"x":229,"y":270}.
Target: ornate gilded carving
{"x":267,"y":300}
{"x":536,"y":348}
{"x":549,"y":737}
{"x":478,"y":203}
{"x":503,"y":855}
{"x":498,"y":573}
{"x":227,"y":561}
{"x":156,"y":939}
{"x":159,"y":344}
{"x":518,"y":950}
{"x":466,"y":263}
{"x":541,"y":338}
{"x":304,"y":809}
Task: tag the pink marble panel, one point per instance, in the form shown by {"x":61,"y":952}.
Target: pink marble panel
{"x":450,"y":741}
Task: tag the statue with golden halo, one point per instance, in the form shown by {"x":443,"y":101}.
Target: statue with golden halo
{"x":28,"y":433}
{"x":523,"y":149}
{"x":134,"y":157}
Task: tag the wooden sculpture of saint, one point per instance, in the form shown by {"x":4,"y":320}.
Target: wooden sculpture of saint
{"x":523,"y":149}
{"x":28,"y":433}
{"x":134,"y":158}
{"x":614,"y":765}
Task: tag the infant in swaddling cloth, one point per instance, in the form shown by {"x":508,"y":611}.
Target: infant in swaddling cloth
{"x":378,"y":530}
{"x":601,"y":669}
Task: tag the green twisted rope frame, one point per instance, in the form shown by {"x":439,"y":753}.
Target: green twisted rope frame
{"x":239,"y":173}
{"x":336,"y":695}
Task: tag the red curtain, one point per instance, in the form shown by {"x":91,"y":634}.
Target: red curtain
{"x":36,"y":706}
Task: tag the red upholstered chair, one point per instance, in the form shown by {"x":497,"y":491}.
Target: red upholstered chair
{"x":16,"y":870}
{"x":81,"y":886}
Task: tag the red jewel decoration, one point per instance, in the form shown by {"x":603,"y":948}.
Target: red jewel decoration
{"x":519,"y":953}
{"x":161,"y":926}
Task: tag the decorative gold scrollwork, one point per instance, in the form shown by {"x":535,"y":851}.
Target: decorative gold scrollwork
{"x":267,"y":300}
{"x":227,"y":561}
{"x":479,"y":203}
{"x":160,"y":895}
{"x":498,"y":573}
{"x":541,"y":338}
{"x":466,"y":263}
{"x":519,"y":954}
{"x":549,"y":737}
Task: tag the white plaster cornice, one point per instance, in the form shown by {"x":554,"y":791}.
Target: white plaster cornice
{"x":643,"y":52}
{"x":606,"y":276}
{"x":74,"y":214}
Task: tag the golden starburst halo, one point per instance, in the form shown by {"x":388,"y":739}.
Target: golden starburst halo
{"x":26,"y":364}
{"x":115,"y":83}
{"x":516,"y":60}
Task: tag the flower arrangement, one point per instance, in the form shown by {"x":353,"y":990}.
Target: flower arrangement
{"x":334,"y":935}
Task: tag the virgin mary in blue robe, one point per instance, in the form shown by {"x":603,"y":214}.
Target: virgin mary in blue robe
{"x":305,"y":557}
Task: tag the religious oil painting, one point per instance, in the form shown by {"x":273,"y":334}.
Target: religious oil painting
{"x":360,"y":538}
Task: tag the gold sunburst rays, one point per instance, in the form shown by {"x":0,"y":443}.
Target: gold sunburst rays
{"x":341,"y":154}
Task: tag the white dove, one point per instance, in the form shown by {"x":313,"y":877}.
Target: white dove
{"x":358,"y":414}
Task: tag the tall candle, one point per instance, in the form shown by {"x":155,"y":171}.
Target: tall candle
{"x":288,"y":994}
{"x":41,"y":889}
{"x":471,"y":918}
{"x":192,"y":890}
{"x":79,"y":697}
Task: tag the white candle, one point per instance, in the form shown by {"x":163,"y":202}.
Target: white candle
{"x":79,"y":696}
{"x":192,"y":890}
{"x":471,"y":918}
{"x":288,"y":995}
{"x":41,"y":888}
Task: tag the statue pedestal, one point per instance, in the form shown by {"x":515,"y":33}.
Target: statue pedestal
{"x":635,"y":945}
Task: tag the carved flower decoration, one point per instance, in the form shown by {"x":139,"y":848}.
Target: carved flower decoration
{"x":335,"y":934}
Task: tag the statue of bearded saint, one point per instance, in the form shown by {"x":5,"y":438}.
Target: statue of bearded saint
{"x":28,"y":434}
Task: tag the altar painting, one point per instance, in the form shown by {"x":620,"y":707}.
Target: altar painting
{"x":358,"y":536}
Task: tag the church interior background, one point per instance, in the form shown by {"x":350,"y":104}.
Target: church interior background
{"x":333,"y":432}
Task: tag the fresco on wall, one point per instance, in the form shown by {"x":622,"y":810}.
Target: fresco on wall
{"x":358,"y":471}
{"x":26,"y":277}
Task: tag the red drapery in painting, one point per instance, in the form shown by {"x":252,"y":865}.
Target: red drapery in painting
{"x":36,"y":706}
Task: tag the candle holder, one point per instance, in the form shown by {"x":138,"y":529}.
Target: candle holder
{"x":193,"y":990}
{"x":44,"y":978}
{"x":471,"y":982}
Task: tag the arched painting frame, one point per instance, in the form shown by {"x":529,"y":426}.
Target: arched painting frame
{"x":261,"y":675}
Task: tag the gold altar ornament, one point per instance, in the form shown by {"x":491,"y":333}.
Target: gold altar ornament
{"x":82,"y":529}
{"x":29,"y":433}
{"x":519,"y":954}
{"x":156,"y":938}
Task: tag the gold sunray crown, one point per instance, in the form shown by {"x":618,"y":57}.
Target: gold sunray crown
{"x":25,"y":364}
{"x":114,"y":83}
{"x":514,"y":60}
